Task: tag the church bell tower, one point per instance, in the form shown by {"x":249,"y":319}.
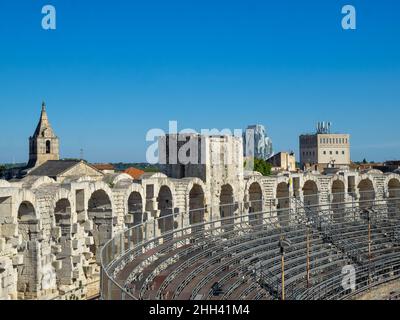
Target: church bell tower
{"x":44,"y":144}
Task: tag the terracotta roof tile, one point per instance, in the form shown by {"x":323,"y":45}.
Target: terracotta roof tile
{"x":134,"y":173}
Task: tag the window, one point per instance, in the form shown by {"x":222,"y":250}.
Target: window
{"x":324,"y":152}
{"x":337,"y":152}
{"x":48,"y":149}
{"x":330,"y":152}
{"x":342,"y":152}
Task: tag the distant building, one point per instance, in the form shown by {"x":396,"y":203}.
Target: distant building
{"x":43,"y":144}
{"x":257,"y":143}
{"x":207,"y":157}
{"x":104,"y":167}
{"x":59,"y":170}
{"x":135,"y":173}
{"x":283,"y":161}
{"x":324,"y":149}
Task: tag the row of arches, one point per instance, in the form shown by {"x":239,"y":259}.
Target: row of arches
{"x":100,"y":212}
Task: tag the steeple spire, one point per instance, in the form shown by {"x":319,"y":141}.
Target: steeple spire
{"x":43,"y":126}
{"x":44,"y":144}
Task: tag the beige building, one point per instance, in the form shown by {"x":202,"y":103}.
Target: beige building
{"x":284,"y":161}
{"x":323,"y":150}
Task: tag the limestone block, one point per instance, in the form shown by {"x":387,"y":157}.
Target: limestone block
{"x":56,"y":249}
{"x":16,"y":241}
{"x":18,"y":260}
{"x":82,"y":216}
{"x":75,"y":244}
{"x":65,"y":222}
{"x":34,"y":228}
{"x":88,"y":225}
{"x":88,"y":255}
{"x":7,"y":281}
{"x":74,"y":228}
{"x":129,"y":218}
{"x":2,"y":244}
{"x":76,"y":259}
{"x":9,"y":230}
{"x":56,"y":232}
{"x":8,"y":220}
{"x":89,"y":241}
{"x":4,"y":263}
{"x":57,"y":264}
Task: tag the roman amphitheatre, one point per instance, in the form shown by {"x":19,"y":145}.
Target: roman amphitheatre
{"x":199,"y":232}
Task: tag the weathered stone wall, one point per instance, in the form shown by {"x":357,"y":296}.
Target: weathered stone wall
{"x":51,"y":233}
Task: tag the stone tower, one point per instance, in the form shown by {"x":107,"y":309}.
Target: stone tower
{"x":43,"y":145}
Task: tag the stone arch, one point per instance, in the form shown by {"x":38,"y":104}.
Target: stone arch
{"x":338,"y":197}
{"x":393,"y":186}
{"x":135,"y":215}
{"x":227,"y":206}
{"x":196,"y":204}
{"x":101,"y":214}
{"x":366,"y":192}
{"x":63,"y":216}
{"x":283,"y":203}
{"x":310,"y":197}
{"x":197,"y":207}
{"x":166,"y":209}
{"x":28,"y":282}
{"x":255,"y":196}
{"x":310,"y":193}
{"x":135,"y":207}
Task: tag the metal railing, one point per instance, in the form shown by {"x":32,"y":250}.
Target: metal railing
{"x":125,"y":256}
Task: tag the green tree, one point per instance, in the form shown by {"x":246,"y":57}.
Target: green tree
{"x":262,"y":166}
{"x":2,"y":169}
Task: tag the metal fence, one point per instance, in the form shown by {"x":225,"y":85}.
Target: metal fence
{"x":354,"y":231}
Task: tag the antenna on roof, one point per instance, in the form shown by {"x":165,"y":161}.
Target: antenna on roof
{"x":81,"y":154}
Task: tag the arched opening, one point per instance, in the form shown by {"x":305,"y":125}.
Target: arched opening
{"x":367,"y":194}
{"x":394,"y":198}
{"x":28,"y":283}
{"x":196,"y":206}
{"x":63,"y":219}
{"x":227,"y":207}
{"x":165,"y":206}
{"x":282,"y":206}
{"x":255,"y":204}
{"x":135,"y":215}
{"x":311,"y":198}
{"x":48,"y":146}
{"x":62,"y":214}
{"x":100,"y":212}
{"x":338,"y":199}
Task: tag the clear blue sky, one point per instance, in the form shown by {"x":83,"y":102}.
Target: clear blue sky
{"x":115,"y":69}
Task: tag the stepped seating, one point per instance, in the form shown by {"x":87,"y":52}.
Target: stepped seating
{"x":244,"y":260}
